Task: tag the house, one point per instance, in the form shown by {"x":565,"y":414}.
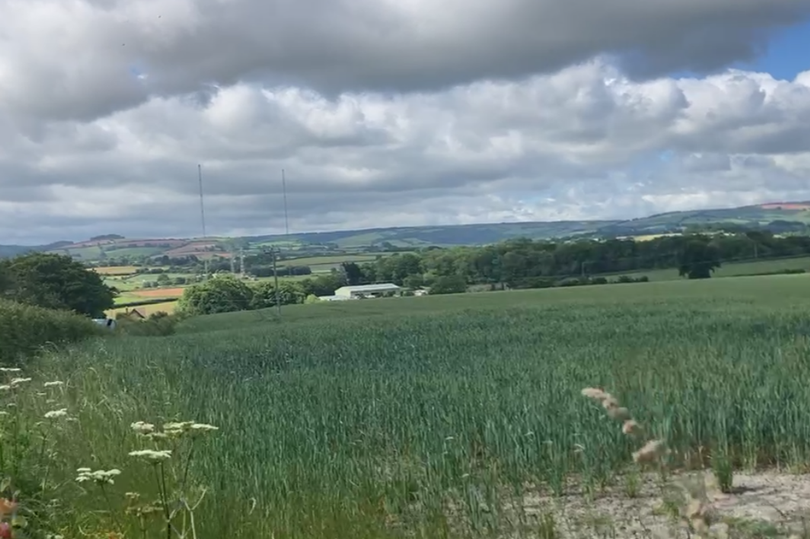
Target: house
{"x":134,"y":314}
{"x":368,"y":291}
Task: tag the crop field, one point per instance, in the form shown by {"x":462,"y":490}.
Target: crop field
{"x":460,"y":416}
{"x":116,"y":270}
{"x":174,"y":292}
{"x":167,"y":307}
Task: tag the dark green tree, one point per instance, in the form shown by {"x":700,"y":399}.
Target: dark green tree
{"x":451,"y":284}
{"x":698,"y":259}
{"x":57,"y":282}
{"x":354,"y":275}
{"x":222,"y":294}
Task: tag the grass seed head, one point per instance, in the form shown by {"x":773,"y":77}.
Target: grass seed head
{"x":631,"y":427}
{"x":595,"y":393}
{"x":651,"y":451}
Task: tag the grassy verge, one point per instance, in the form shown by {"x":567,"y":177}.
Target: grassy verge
{"x":25,"y":329}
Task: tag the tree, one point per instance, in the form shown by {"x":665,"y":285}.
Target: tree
{"x":698,"y":259}
{"x":222,"y":294}
{"x":57,"y":282}
{"x":354,"y":275}
{"x":451,"y":284}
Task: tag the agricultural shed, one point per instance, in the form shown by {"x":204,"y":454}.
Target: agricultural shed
{"x":367,"y":290}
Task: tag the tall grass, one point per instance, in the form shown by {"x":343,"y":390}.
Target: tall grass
{"x":427,"y":420}
{"x":25,"y":329}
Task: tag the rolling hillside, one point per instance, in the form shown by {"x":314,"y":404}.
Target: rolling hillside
{"x":779,"y":217}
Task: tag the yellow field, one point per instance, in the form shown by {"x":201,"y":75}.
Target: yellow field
{"x":166,"y":307}
{"x":116,"y":270}
{"x":648,"y":237}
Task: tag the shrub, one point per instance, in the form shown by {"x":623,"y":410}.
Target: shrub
{"x":157,"y":325}
{"x":24,"y":329}
{"x":452,"y":284}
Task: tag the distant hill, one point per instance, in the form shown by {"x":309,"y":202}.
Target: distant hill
{"x":777,"y":217}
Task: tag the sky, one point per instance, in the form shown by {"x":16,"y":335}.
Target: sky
{"x":393,"y":112}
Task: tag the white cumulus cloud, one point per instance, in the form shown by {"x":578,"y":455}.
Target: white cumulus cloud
{"x":386,"y":113}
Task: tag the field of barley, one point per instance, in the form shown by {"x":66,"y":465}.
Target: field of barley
{"x":447,"y":416}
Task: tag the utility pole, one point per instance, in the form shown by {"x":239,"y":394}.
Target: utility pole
{"x":242,"y":262}
{"x":275,"y":284}
{"x":286,"y":216}
{"x":202,"y":216}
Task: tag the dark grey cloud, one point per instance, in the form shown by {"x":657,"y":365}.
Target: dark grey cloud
{"x":82,"y":60}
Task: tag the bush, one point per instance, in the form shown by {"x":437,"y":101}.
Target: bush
{"x":24,"y":329}
{"x":157,"y":325}
{"x":221,"y":294}
{"x":534,"y":282}
{"x":451,"y":284}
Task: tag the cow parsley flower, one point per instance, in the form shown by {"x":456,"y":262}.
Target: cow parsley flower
{"x":152,"y":455}
{"x":55,"y":383}
{"x":54,"y":414}
{"x":142,"y":428}
{"x":102,"y":477}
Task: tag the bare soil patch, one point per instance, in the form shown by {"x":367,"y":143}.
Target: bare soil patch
{"x":159,"y":293}
{"x":763,"y":504}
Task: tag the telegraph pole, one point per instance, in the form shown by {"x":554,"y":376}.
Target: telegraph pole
{"x":202,"y":215}
{"x":275,"y":279}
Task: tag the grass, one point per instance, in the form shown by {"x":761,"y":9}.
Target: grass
{"x":428,"y":417}
{"x":737,"y":269}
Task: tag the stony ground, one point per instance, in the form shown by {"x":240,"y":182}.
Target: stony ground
{"x":767,"y":504}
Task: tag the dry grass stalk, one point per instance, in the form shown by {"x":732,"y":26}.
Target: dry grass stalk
{"x":697,"y":511}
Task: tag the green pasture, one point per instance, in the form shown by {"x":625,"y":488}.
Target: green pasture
{"x":735,"y":269}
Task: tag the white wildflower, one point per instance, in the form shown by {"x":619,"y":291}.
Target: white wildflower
{"x":152,"y":455}
{"x":5,"y":387}
{"x":17,"y":381}
{"x":99,"y":476}
{"x":55,"y":383}
{"x":10,"y":369}
{"x":53,"y":414}
{"x":202,"y":427}
{"x":142,"y":428}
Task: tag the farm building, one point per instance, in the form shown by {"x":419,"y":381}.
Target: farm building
{"x":367,"y":291}
{"x":333,"y":298}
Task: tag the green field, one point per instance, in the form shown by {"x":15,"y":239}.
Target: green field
{"x":735,"y":269}
{"x":438,"y":416}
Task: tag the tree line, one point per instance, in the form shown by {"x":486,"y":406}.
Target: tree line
{"x":525,"y":263}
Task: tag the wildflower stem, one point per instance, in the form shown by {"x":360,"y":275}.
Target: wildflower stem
{"x":165,"y":498}
{"x":113,"y":517}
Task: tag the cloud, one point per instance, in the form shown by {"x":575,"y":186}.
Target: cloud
{"x":386,"y":113}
